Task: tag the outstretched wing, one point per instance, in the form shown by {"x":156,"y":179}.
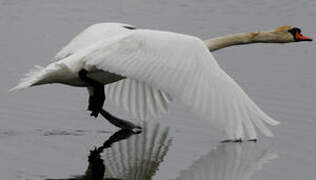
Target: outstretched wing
{"x":137,"y":98}
{"x":182,"y":66}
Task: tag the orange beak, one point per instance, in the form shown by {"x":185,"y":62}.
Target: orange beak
{"x":300,"y":37}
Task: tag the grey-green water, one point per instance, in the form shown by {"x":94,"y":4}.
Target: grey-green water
{"x":45,"y":132}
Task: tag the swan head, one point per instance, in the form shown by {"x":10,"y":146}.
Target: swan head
{"x":290,"y":34}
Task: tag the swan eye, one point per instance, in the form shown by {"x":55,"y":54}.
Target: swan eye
{"x":294,"y":30}
{"x":298,"y":30}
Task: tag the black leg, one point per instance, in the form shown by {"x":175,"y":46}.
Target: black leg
{"x":97,"y":100}
{"x":120,"y":123}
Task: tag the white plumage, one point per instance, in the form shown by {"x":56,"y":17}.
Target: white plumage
{"x":150,"y":102}
{"x":158,"y":66}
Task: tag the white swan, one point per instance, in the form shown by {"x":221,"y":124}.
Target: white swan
{"x":159,"y":66}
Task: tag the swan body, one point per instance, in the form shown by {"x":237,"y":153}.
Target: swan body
{"x":145,"y":69}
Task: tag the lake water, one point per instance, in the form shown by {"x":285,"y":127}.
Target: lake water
{"x":46,"y":132}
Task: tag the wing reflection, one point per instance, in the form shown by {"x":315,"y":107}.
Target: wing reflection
{"x":229,"y":161}
{"x":139,"y":157}
{"x":136,"y":158}
{"x":129,"y":156}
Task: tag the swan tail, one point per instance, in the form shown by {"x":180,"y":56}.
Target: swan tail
{"x":30,"y":79}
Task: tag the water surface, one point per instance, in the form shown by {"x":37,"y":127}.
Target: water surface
{"x":46,"y":133}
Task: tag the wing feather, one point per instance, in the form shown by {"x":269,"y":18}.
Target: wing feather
{"x":181,"y":66}
{"x":138,"y":99}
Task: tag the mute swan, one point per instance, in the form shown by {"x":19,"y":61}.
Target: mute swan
{"x":160,"y":66}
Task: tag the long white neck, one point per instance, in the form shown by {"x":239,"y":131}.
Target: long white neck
{"x":247,"y":38}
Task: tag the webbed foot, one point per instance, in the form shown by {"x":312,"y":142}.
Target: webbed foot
{"x":232,"y":140}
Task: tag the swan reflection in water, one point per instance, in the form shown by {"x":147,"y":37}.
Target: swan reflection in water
{"x":132,"y":156}
{"x":229,"y":161}
{"x":128,"y":155}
